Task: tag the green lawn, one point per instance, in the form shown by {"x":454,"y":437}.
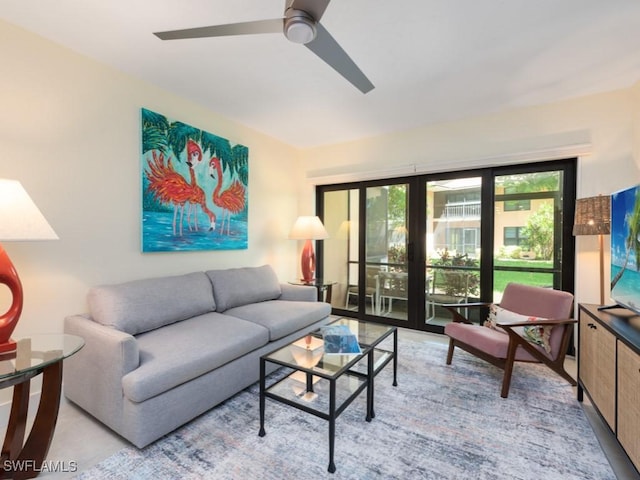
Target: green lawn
{"x":501,"y":278}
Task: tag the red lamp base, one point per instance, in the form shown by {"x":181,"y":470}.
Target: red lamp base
{"x":308,"y":262}
{"x":8,"y":346}
{"x":9,"y":320}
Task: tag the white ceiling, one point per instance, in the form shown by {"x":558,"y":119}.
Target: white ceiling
{"x":430,"y":60}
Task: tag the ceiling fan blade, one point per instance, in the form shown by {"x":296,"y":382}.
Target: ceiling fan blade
{"x":332,"y":53}
{"x":315,"y":8}
{"x":244,"y":28}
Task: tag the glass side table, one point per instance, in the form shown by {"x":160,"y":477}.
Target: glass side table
{"x":41,"y":354}
{"x":324,"y":287}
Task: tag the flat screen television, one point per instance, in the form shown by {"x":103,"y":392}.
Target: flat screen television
{"x":625,"y":248}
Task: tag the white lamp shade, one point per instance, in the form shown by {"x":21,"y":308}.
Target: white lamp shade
{"x":20,"y":219}
{"x":308,"y":228}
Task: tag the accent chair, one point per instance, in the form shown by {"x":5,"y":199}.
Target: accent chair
{"x":531,"y":324}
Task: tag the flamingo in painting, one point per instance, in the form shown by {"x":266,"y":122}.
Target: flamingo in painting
{"x":231,"y":200}
{"x":169,"y":187}
{"x":197,"y":197}
{"x":194,"y":157}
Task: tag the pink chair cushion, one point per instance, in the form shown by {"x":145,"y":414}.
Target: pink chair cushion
{"x":491,"y":341}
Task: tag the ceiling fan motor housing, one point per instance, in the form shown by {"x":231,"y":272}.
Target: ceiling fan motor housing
{"x":299,"y":26}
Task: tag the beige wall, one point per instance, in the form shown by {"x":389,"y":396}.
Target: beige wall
{"x":602,"y":129}
{"x":70,"y":132}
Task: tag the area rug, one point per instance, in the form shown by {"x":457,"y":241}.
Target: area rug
{"x":440,"y":422}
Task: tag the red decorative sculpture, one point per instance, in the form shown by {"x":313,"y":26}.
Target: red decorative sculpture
{"x":9,"y":320}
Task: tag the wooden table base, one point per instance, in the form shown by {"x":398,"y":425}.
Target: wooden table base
{"x":25,"y":460}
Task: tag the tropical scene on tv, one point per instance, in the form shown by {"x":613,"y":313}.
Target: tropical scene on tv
{"x":625,"y":247}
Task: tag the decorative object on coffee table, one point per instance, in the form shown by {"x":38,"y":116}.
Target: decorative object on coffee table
{"x":20,"y":220}
{"x":308,"y":228}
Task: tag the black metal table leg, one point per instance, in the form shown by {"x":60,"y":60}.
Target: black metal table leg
{"x":263,"y":381}
{"x":332,"y":424}
{"x":395,"y":358}
{"x":370,"y":388}
{"x":309,"y":382}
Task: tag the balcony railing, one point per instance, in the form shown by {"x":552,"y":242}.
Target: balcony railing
{"x":457,"y":211}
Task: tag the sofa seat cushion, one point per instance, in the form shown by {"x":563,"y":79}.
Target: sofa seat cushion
{"x":143,"y":305}
{"x":493,"y":342}
{"x":180,"y":352}
{"x":282,"y":317}
{"x":234,"y":287}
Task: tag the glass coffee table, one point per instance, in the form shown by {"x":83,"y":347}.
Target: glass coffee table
{"x":324,"y":384}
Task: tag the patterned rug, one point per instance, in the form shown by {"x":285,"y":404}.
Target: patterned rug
{"x":440,"y":422}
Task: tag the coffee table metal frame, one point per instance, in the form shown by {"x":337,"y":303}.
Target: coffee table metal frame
{"x":343,"y":377}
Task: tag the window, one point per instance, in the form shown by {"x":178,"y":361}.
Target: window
{"x":401,"y":247}
{"x":513,"y":236}
{"x":517,"y":205}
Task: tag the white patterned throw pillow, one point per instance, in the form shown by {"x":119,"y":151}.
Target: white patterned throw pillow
{"x":535,"y":334}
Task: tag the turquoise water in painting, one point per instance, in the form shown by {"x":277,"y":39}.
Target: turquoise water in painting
{"x":157,"y":234}
{"x":627,"y":290}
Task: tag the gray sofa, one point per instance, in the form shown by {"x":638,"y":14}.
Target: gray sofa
{"x":161,"y":351}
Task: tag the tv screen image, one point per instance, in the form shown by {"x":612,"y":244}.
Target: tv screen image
{"x":625,"y":248}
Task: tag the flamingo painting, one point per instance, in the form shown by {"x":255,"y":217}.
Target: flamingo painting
{"x":230,"y":200}
{"x":184,"y":198}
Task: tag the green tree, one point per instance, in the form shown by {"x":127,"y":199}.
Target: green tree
{"x":531,"y":182}
{"x":539,"y":232}
{"x":397,"y":205}
{"x":454,"y":282}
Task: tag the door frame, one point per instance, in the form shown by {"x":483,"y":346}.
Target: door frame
{"x":416,"y":225}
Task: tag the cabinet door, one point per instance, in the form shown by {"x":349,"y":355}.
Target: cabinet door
{"x":629,"y":402}
{"x":597,"y":357}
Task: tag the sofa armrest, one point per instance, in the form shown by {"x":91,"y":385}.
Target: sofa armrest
{"x":93,"y":376}
{"x":303,"y":293}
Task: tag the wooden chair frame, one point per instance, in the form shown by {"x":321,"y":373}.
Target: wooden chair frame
{"x":515,"y":340}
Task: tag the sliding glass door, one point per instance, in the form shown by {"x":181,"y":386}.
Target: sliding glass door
{"x":528,"y":230}
{"x":400,"y":248}
{"x":366,"y":254}
{"x":453,"y":243}
{"x":386,"y":243}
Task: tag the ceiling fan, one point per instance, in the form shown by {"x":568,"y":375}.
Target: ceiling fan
{"x":301,"y":24}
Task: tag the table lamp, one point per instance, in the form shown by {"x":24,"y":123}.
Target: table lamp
{"x":20,"y":220}
{"x":308,"y":228}
{"x":593,"y":217}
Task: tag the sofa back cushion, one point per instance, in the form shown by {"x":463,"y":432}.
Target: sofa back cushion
{"x":235,"y":287}
{"x":143,"y":305}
